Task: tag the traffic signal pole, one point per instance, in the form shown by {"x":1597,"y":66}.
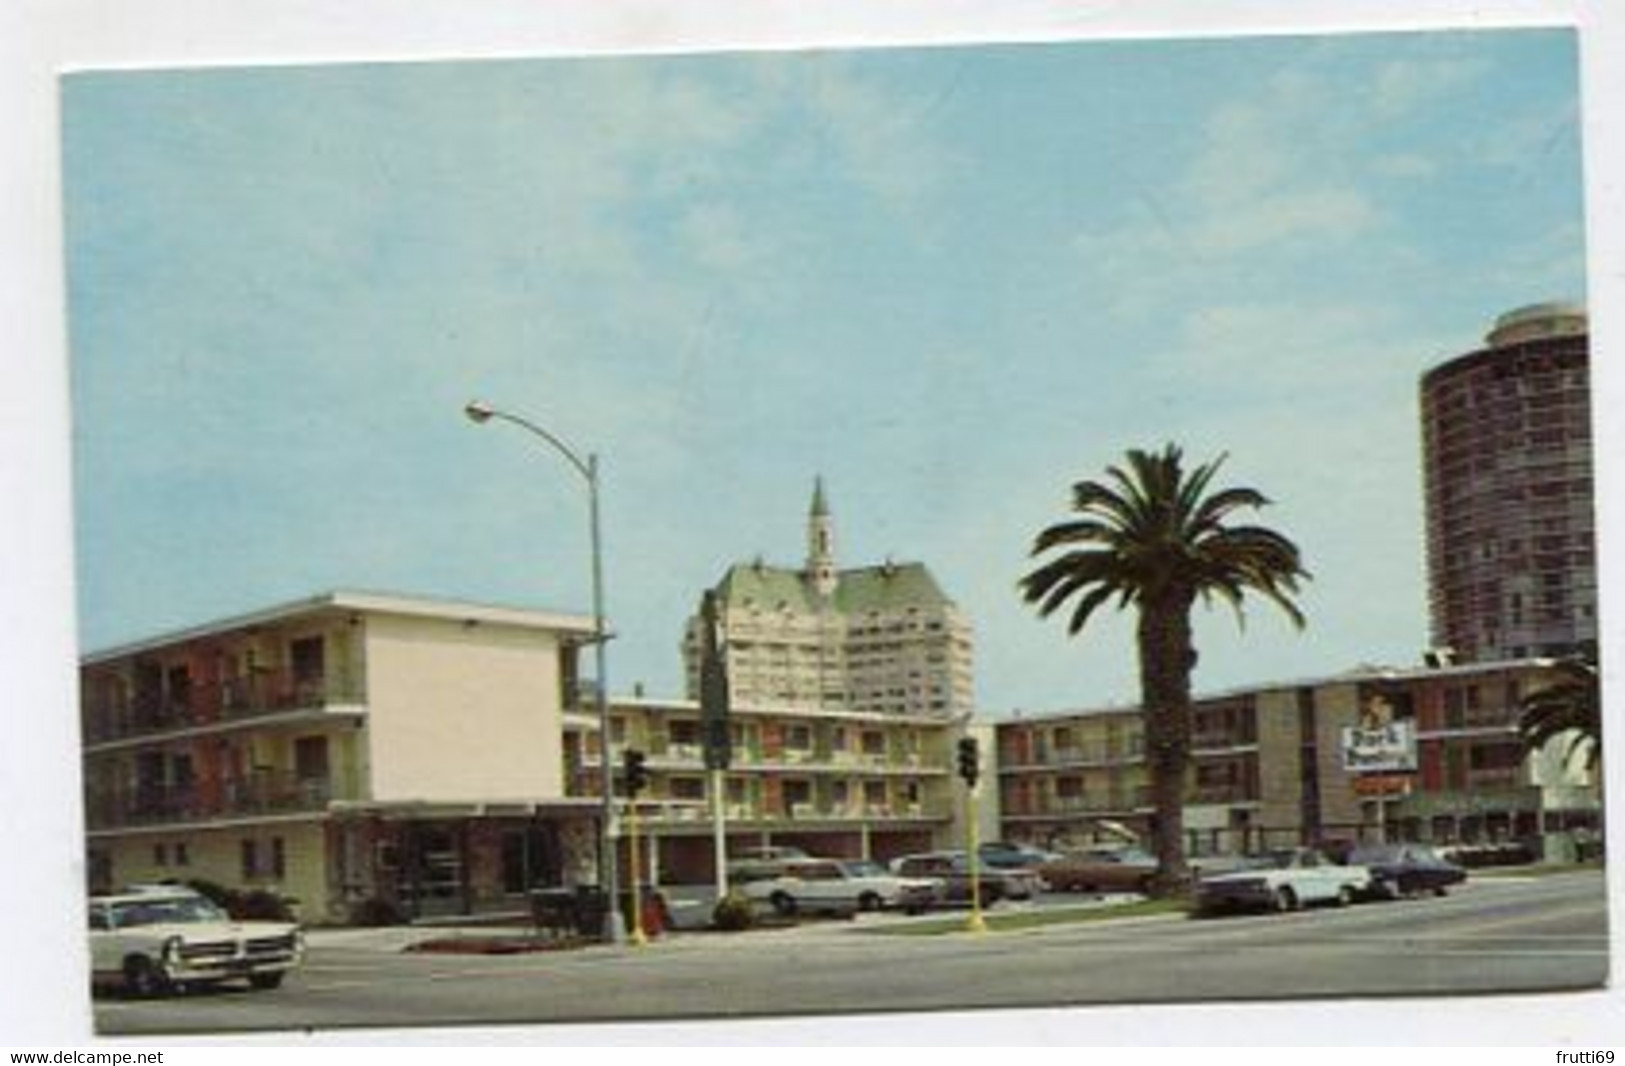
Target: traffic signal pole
{"x":636,"y":780}
{"x":638,"y":939}
{"x":973,"y":924}
{"x":970,"y":771}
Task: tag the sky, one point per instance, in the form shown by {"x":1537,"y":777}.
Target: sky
{"x":951,"y":281}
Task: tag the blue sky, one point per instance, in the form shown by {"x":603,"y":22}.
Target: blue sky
{"x":952,"y":281}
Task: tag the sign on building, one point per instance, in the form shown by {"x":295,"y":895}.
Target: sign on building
{"x":1380,"y":743}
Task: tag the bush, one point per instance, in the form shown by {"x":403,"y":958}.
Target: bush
{"x":259,"y":905}
{"x":733,"y":913}
{"x":375,"y":912}
{"x":218,"y":894}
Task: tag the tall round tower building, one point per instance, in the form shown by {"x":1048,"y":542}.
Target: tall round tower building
{"x":1507,"y":472}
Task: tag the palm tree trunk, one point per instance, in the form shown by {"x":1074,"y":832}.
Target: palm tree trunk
{"x":1166,"y":661}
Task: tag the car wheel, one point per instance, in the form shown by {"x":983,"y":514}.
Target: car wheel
{"x":868,"y":902}
{"x":1441,"y":890}
{"x":143,"y":979}
{"x":1286,"y":899}
{"x":783,"y":902}
{"x":265,"y":980}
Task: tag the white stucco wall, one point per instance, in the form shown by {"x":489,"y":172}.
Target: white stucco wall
{"x":462,"y":712}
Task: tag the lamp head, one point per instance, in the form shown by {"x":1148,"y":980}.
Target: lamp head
{"x":478,"y":411}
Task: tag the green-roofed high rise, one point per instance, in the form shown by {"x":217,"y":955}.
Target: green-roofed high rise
{"x":881,"y":639}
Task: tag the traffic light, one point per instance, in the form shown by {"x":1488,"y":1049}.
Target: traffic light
{"x":635,"y":773}
{"x":969,"y":761}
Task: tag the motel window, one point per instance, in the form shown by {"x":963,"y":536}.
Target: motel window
{"x":263,"y":861}
{"x":684,"y":731}
{"x":160,"y":855}
{"x":308,"y":657}
{"x":250,"y":854}
{"x":686,"y":788}
{"x":1496,"y":757}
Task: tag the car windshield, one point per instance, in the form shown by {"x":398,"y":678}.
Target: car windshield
{"x":164,"y":911}
{"x":864,"y":868}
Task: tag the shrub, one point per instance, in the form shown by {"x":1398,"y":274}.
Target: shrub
{"x":219,"y":895}
{"x":375,"y":912}
{"x":733,"y":913}
{"x":258,"y":904}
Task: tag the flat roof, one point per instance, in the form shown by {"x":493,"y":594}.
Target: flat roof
{"x":361,"y":602}
{"x":1358,"y":675}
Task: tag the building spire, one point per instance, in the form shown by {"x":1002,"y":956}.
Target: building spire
{"x":820,"y":506}
{"x":820,"y":542}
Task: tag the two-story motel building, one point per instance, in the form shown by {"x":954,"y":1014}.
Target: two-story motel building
{"x":1267,"y":766}
{"x":338,"y":749}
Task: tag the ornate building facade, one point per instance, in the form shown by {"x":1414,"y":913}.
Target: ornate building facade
{"x":879,"y":639}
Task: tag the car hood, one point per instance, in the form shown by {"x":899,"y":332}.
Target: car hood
{"x":214,"y":930}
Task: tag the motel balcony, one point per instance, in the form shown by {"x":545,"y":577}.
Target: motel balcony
{"x":262,"y":793}
{"x":261,"y":694}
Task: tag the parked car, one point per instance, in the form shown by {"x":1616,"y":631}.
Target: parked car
{"x":153,"y":941}
{"x":1283,"y":880}
{"x":1407,"y":870}
{"x":952,"y":868}
{"x":1100,"y":870}
{"x":1501,"y":853}
{"x":827,"y":886}
{"x":1006,"y":856}
{"x":761,"y":864}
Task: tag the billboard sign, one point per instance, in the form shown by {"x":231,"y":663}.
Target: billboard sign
{"x":1386,"y":748}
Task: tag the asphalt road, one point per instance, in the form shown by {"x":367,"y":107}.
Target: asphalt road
{"x":1489,"y":936}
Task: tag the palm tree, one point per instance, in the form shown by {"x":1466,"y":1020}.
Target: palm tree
{"x":1569,"y":706}
{"x":1151,"y":536}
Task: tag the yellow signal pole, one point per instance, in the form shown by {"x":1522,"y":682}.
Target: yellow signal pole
{"x":973,"y":924}
{"x":637,"y":939}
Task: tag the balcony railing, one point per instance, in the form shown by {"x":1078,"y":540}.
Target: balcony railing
{"x":1220,"y":739}
{"x":264,"y":692}
{"x":1219,"y":794}
{"x":269,"y":691}
{"x":266,"y":792}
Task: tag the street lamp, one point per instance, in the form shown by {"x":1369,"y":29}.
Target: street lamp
{"x":480,"y":413}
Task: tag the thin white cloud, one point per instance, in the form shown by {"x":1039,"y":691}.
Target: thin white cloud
{"x":1403,"y":85}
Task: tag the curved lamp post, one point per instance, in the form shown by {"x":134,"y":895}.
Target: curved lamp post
{"x":608,"y":876}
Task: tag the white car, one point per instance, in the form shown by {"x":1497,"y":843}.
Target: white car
{"x":151,"y":942}
{"x":830,"y":886}
{"x":1283,"y":880}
